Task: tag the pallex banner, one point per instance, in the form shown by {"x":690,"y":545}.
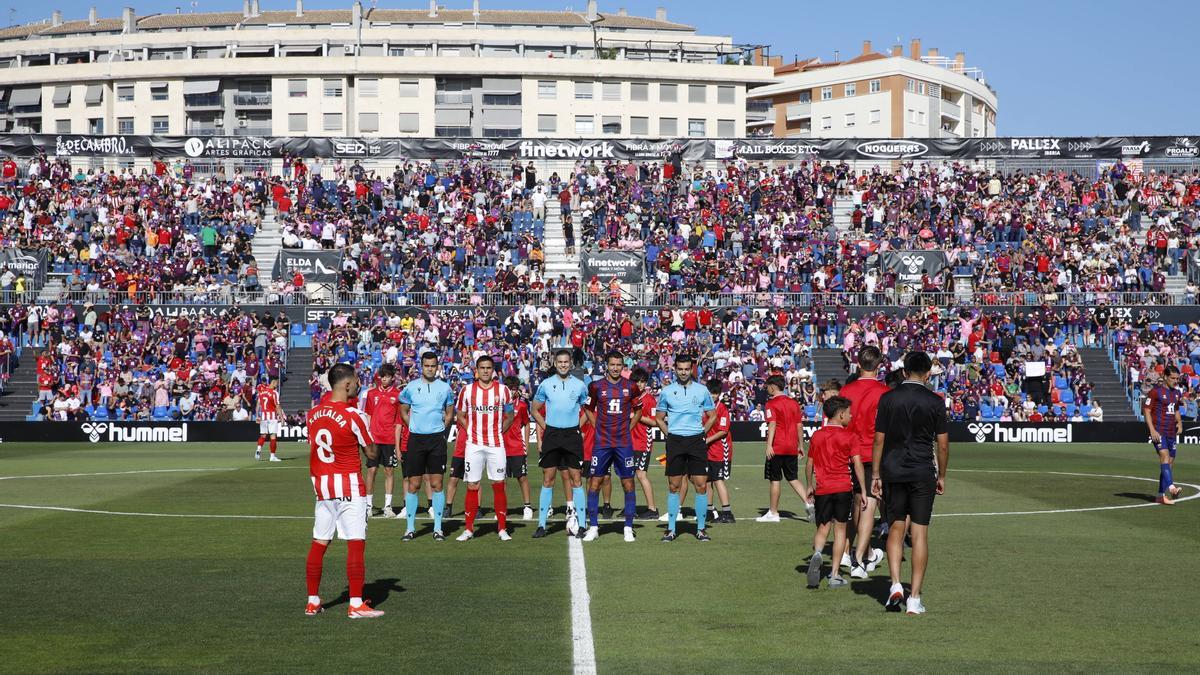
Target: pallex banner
{"x":273,"y":147}
{"x":962,"y":434}
{"x":910,"y":266}
{"x":318,"y":267}
{"x":626,"y":266}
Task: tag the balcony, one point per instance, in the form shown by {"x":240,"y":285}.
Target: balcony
{"x":252,"y":131}
{"x":799,"y":111}
{"x":214,"y":100}
{"x":452,"y":97}
{"x":950,"y":109}
{"x":247,"y":100}
{"x":757,"y":111}
{"x":204,"y":131}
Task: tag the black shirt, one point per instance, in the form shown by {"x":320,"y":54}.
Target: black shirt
{"x":911,"y":417}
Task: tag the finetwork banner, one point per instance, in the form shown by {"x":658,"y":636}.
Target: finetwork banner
{"x":626,"y":266}
{"x":690,"y":150}
{"x":318,"y":267}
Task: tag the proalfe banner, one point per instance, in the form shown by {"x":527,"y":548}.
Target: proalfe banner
{"x":318,"y":267}
{"x":32,"y":264}
{"x":269,"y":147}
{"x":626,"y":266}
{"x":910,"y":266}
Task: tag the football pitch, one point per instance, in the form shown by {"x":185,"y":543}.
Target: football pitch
{"x":127,"y":558}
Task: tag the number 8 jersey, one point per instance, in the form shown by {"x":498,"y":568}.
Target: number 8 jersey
{"x":335,"y":432}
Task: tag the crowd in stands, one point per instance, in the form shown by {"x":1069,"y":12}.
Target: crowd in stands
{"x":1142,"y":351}
{"x":128,"y":363}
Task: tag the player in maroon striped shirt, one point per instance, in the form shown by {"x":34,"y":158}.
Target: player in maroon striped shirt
{"x":614,"y":400}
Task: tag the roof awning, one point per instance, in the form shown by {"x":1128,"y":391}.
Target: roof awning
{"x":62,"y":95}
{"x":201,"y":86}
{"x":95,"y":94}
{"x":255,"y":51}
{"x":25,"y":97}
{"x":158,"y":85}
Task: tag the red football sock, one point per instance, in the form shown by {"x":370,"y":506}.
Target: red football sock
{"x":471,"y":508}
{"x":316,"y":555}
{"x":272,"y":445}
{"x":261,"y":440}
{"x":356,"y":569}
{"x":500,"y":501}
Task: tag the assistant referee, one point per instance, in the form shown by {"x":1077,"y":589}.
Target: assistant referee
{"x":682,"y":415}
{"x":910,"y":422}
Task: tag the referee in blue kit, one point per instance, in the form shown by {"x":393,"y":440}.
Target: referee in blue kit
{"x":682,"y":416}
{"x":555,"y":408}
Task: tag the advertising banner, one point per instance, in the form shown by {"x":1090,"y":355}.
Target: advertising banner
{"x":32,"y":264}
{"x":318,"y":267}
{"x":910,"y":266}
{"x":626,"y":266}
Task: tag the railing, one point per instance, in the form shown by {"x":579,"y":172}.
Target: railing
{"x":252,"y":131}
{"x":252,"y":99}
{"x":799,"y":111}
{"x":758,"y":105}
{"x":203,"y":101}
{"x":951,"y":109}
{"x":452,"y":97}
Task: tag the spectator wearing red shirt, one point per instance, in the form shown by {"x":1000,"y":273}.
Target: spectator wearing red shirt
{"x":785,"y":442}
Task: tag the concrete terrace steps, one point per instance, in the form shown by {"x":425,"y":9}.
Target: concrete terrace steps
{"x":555,"y":245}
{"x":827,"y":364}
{"x":294,"y":393}
{"x":265,"y":246}
{"x":21,"y":389}
{"x":1106,"y":385}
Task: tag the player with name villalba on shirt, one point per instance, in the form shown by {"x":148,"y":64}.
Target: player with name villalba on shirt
{"x":337,"y":432}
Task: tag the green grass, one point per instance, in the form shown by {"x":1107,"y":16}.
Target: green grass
{"x":1110,"y":590}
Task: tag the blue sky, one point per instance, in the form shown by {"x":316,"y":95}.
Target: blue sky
{"x":1060,"y":68}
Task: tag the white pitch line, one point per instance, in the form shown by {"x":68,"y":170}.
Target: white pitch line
{"x":150,"y":515}
{"x":116,"y":473}
{"x":583,"y":648}
{"x":1079,"y":510}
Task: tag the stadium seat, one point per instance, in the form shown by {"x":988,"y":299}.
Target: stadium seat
{"x":1067,"y":396}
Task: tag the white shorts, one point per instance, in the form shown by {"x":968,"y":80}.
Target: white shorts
{"x":268,"y":428}
{"x":346,"y":517}
{"x":477,"y":457}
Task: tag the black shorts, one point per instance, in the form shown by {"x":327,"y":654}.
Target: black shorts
{"x":585,"y":471}
{"x":561,"y":448}
{"x":386,"y":458}
{"x":782,"y":467}
{"x":868,"y":467}
{"x":458,"y":467}
{"x":836,"y":506}
{"x":912,"y":500}
{"x":641,"y":460}
{"x":426,"y":454}
{"x":720,"y":469}
{"x":687,"y":455}
{"x":515,"y":466}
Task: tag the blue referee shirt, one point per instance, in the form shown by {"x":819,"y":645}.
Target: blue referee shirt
{"x":684,"y":404}
{"x":563,"y":399}
{"x":427,"y":402}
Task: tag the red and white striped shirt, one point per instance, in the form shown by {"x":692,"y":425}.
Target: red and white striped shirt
{"x":268,"y":403}
{"x":335,"y":432}
{"x":485,"y":410}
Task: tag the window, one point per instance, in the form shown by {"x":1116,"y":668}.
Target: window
{"x":921,"y":117}
{"x":297,"y":88}
{"x":585,"y":125}
{"x":96,"y":125}
{"x":547,"y":89}
{"x":668,"y":93}
{"x":849,"y":119}
{"x":410,"y":122}
{"x":62,"y":127}
{"x":668,"y":126}
{"x":874,"y":86}
{"x":639,"y":91}
{"x":368,"y":87}
{"x":333,"y":122}
{"x":850,"y":89}
{"x":125,"y":125}
{"x":874,"y":117}
{"x":725,"y":129}
{"x":368,"y":122}
{"x":805,"y":96}
{"x":298,"y":122}
{"x":333,"y":88}
{"x":826,"y":93}
{"x":547,"y":124}
{"x":909,"y":85}
{"x":610,"y":124}
{"x":696,"y":128}
{"x":611,"y":91}
{"x":160,"y":125}
{"x":697,"y":93}
{"x":921,"y":88}
{"x":501,"y":132}
{"x":158,"y":91}
{"x":502,"y":99}
{"x":125,"y":92}
{"x":452,"y":132}
{"x":827,"y":122}
{"x":408,"y":88}
{"x":449,"y":52}
{"x":583,"y":91}
{"x":912,"y":116}
{"x":639,"y":126}
{"x":726,"y":94}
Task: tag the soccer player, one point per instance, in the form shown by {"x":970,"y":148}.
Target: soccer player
{"x":556,"y":406}
{"x":380,"y":405}
{"x":613,"y":401}
{"x":1166,"y":424}
{"x":457,"y":466}
{"x":267,"y":410}
{"x":336,"y":432}
{"x":643,"y":439}
{"x":681,"y":415}
{"x":720,"y":456}
{"x":833,"y":449}
{"x":909,"y":424}
{"x":785,"y":444}
{"x":515,"y":444}
{"x":485,"y":409}
{"x":426,"y":408}
{"x":863,"y":394}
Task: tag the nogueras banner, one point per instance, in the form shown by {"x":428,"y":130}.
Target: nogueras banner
{"x":271,"y":147}
{"x":910,"y":266}
{"x":626,"y":266}
{"x":318,"y":267}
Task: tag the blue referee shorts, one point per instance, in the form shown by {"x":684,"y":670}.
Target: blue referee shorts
{"x":620,"y":458}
